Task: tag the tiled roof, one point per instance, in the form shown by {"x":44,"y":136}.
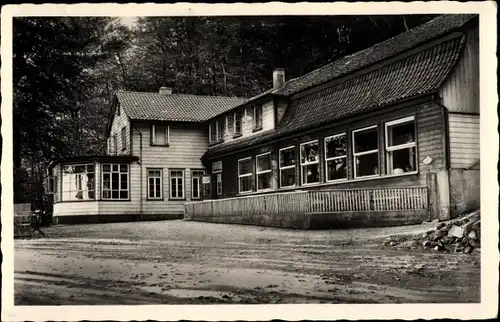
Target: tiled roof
{"x":416,"y":74}
{"x":386,"y":49}
{"x":174,"y":107}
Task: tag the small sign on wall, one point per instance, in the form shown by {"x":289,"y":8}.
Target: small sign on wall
{"x":217,"y":167}
{"x":427,"y":160}
{"x":206,"y":179}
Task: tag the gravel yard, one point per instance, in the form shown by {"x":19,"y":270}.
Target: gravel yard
{"x":178,"y":262}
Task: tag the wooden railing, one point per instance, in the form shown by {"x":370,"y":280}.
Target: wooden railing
{"x":314,"y":201}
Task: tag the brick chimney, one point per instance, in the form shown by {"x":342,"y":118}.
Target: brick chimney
{"x":278,"y":78}
{"x":165,"y":90}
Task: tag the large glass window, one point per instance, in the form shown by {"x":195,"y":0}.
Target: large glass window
{"x":400,"y":146}
{"x":177,"y":184}
{"x":155,"y":183}
{"x":336,"y":157}
{"x":365,"y":146}
{"x":78,"y":182}
{"x":245,"y":175}
{"x":287,"y":157}
{"x":196,"y":183}
{"x":115,"y":181}
{"x":264,"y":172}
{"x":309,"y":162}
{"x":257,"y":117}
{"x":160,"y":134}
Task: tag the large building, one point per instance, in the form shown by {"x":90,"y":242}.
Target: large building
{"x":385,"y":136}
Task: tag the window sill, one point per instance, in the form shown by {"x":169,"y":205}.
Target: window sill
{"x":237,"y":136}
{"x":215,"y":142}
{"x":257,"y":129}
{"x":72,"y":201}
{"x":177,"y":199}
{"x":155,"y":199}
{"x":160,"y":145}
{"x":114,"y":200}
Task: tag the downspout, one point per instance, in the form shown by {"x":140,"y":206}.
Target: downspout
{"x":140,"y":163}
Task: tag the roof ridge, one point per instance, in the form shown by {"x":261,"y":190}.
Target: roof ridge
{"x":182,"y":94}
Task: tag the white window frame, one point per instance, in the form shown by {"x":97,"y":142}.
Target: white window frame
{"x":112,"y":147}
{"x":219,"y":176}
{"x":176,"y":184}
{"x":263,"y":172}
{"x":308,"y":163}
{"x":288,"y":166}
{"x":241,"y":123}
{"x":200,"y":183}
{"x":216,"y":170}
{"x":123,"y":135}
{"x":334,"y":158}
{"x":219,"y":135}
{"x":161,"y":184}
{"x":250,"y":174}
{"x":153,"y":135}
{"x":401,"y":146}
{"x":355,"y":155}
{"x":255,"y":108}
{"x":78,"y":182}
{"x":111,"y":181}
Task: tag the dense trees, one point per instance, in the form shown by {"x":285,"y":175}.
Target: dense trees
{"x":66,"y":69}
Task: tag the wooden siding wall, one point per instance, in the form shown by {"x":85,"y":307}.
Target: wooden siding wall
{"x":430,"y":142}
{"x":187,"y":143}
{"x":247,"y":124}
{"x":460,"y":92}
{"x":463,"y":131}
{"x":119,"y":122}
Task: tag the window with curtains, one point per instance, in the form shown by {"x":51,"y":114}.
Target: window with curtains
{"x":309,"y":162}
{"x":336,"y":157}
{"x":115,"y":181}
{"x":176,"y":184}
{"x":365,"y":152}
{"x":160,"y":135}
{"x":124,"y":138}
{"x":400,"y":146}
{"x":257,"y":117}
{"x":287,"y":161}
{"x":245,"y":175}
{"x":155,"y":183}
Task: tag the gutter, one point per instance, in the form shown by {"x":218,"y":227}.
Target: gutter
{"x":140,"y":163}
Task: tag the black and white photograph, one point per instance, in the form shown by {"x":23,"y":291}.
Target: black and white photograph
{"x":235,"y":159}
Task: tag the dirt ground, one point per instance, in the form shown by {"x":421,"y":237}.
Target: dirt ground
{"x":178,"y":262}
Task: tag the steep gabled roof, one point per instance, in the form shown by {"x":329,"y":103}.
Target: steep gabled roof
{"x":415,"y":73}
{"x":174,"y":107}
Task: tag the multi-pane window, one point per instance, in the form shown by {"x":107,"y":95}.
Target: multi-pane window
{"x":287,"y":161}
{"x":400,"y":146}
{"x":115,"y":181}
{"x":176,"y":184}
{"x":160,"y":134}
{"x":212,"y":132}
{"x":336,"y":157}
{"x":220,"y":130}
{"x":216,"y":166}
{"x":257,"y":117}
{"x":124,"y":138}
{"x":219,"y":183}
{"x":78,"y":182}
{"x":365,"y":152}
{"x":196,"y":183}
{"x":155,"y":183}
{"x":245,"y":175}
{"x":309,"y":162}
{"x":264,"y":172}
{"x":238,"y":119}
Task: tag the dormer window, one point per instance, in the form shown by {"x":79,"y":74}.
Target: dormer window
{"x":257,"y":117}
{"x":117,"y":111}
{"x":216,"y":131}
{"x":160,"y":135}
{"x":238,"y":118}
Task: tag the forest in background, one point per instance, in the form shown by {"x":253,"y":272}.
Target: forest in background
{"x":67,"y":69}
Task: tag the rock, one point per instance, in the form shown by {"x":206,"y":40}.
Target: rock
{"x":472,"y":235}
{"x":468,"y":249}
{"x":392,"y":243}
{"x":435,"y":221}
{"x":474,"y":243}
{"x":437,"y":247}
{"x":459,"y":249}
{"x":446,"y":240}
{"x":455,"y":231}
{"x":426,"y":243}
{"x":441,"y":225}
{"x":476,"y":224}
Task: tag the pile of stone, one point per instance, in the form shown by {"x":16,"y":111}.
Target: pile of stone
{"x":461,"y":235}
